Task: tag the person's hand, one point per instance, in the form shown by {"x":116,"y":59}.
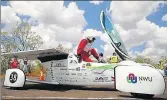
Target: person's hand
{"x":99,"y":61}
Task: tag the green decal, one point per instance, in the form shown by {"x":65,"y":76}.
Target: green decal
{"x":111,"y":66}
{"x":129,"y":81}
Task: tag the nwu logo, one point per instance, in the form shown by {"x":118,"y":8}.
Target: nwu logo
{"x":131,"y":78}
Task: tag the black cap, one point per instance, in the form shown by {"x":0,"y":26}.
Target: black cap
{"x":100,"y":54}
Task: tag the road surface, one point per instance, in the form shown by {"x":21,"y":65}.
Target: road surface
{"x":44,"y":91}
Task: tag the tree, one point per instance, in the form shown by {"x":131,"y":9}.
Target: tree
{"x":36,"y":67}
{"x":21,"y":38}
{"x":159,"y":65}
{"x":162,"y":62}
{"x":143,"y":60}
{"x":61,"y":48}
{"x":140,"y":60}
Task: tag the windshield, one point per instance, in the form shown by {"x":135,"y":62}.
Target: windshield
{"x":116,"y":40}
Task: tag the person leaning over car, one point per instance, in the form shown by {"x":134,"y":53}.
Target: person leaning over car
{"x":84,"y":50}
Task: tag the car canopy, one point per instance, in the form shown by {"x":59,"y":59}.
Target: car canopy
{"x":114,"y":36}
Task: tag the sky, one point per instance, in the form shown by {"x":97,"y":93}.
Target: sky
{"x":142,"y":24}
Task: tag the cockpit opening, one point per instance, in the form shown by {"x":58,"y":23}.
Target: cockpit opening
{"x":54,"y":56}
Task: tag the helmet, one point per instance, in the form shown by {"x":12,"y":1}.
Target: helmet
{"x":101,"y":54}
{"x":91,"y":38}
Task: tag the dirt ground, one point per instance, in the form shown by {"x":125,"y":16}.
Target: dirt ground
{"x":45,"y":91}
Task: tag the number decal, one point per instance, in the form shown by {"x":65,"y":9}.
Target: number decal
{"x":13,"y":77}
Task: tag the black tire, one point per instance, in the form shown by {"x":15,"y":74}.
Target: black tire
{"x":144,"y":96}
{"x":16,"y":88}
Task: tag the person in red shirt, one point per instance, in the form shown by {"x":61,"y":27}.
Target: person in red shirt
{"x":14,"y":63}
{"x":84,"y":50}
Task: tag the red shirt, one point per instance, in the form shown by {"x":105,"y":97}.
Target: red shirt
{"x":83,"y":46}
{"x":14,"y":64}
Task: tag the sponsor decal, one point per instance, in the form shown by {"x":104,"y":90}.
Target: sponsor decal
{"x":73,"y":74}
{"x":73,"y":62}
{"x":63,"y":69}
{"x":85,"y":77}
{"x":51,"y":65}
{"x":57,"y":64}
{"x":73,"y":80}
{"x":131,"y":78}
{"x":84,"y":65}
{"x":13,"y":77}
{"x":78,"y":69}
{"x":83,"y":69}
{"x":72,"y":69}
{"x":79,"y":74}
{"x":88,"y":65}
{"x":101,"y":79}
